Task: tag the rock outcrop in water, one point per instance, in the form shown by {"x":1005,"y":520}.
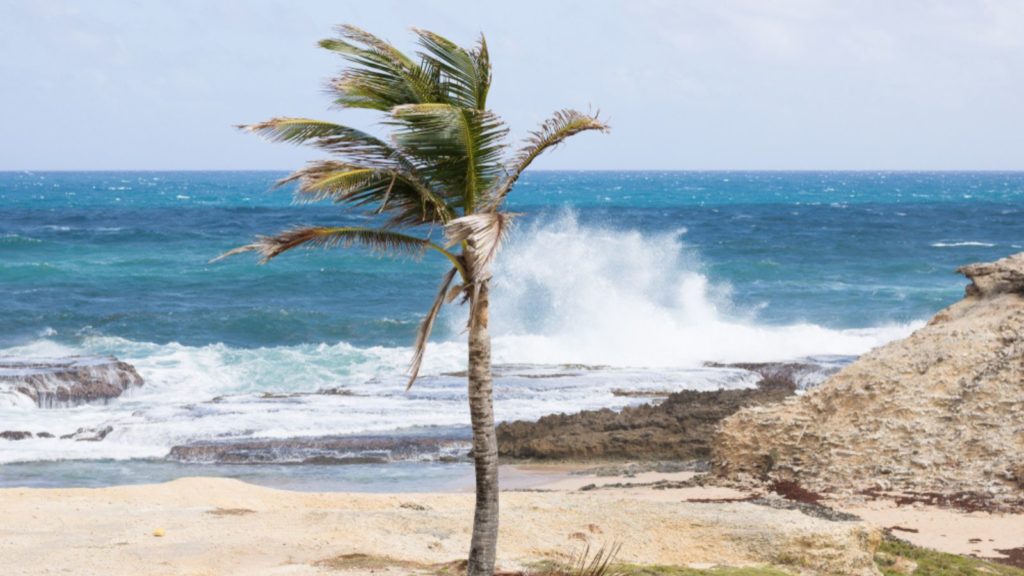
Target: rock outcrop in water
{"x":938,"y":416}
{"x":679,"y":428}
{"x":53,"y":383}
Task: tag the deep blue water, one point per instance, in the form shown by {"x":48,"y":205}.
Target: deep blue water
{"x":125,"y":253}
{"x":650,"y":274}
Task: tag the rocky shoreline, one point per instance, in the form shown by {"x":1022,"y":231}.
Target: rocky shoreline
{"x":680,"y":427}
{"x":935,"y":418}
{"x":65,"y":382}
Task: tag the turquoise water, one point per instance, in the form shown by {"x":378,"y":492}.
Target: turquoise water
{"x":124,"y":254}
{"x":650,"y":274}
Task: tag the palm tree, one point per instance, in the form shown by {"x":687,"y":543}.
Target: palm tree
{"x":443,"y":167}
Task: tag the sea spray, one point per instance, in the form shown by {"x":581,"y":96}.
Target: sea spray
{"x":581,"y":313}
{"x":567,"y":292}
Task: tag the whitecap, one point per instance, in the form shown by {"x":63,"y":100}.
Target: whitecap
{"x":961,"y":244}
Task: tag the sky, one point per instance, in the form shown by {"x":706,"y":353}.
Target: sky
{"x":685,"y":84}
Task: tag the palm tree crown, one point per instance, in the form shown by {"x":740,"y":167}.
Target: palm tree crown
{"x":443,"y":167}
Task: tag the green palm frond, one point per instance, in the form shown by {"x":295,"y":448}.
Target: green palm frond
{"x":465,"y":75}
{"x":382,"y":77}
{"x":554,"y":131}
{"x":385,"y":242}
{"x":382,"y":190}
{"x":357,"y":146}
{"x":426,"y":326}
{"x":464,"y":145}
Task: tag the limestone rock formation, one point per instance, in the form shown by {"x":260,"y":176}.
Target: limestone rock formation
{"x":940,"y":413}
{"x":52,"y":383}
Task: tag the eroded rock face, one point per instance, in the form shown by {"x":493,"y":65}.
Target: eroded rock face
{"x":941,"y":412}
{"x":58,"y":382}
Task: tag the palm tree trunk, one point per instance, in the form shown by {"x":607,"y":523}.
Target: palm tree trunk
{"x":485,"y":442}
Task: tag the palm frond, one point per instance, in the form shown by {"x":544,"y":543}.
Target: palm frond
{"x":426,"y":326}
{"x":386,"y":242}
{"x":465,"y":75}
{"x":399,"y":191}
{"x":457,"y":147}
{"x":484,"y":233}
{"x":356,"y":145}
{"x":554,"y":131}
{"x":382,"y":76}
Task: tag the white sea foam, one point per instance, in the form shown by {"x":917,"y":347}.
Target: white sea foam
{"x":564,"y":294}
{"x":961,"y":244}
{"x":571,"y":293}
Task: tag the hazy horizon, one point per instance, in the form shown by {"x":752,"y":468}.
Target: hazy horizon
{"x":738,"y":85}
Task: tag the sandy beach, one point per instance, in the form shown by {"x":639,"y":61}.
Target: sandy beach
{"x":208,"y":526}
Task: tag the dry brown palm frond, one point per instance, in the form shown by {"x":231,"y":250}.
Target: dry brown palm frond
{"x":423,"y":333}
{"x":484,"y":232}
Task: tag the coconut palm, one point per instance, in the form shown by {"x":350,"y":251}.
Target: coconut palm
{"x":442,"y":170}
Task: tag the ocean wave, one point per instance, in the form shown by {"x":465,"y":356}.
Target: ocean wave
{"x":196,"y":393}
{"x":577,"y":312}
{"x":565,"y":292}
{"x":961,"y":244}
{"x":12,"y":238}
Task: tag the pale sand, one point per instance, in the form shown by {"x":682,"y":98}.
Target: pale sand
{"x":224,"y":527}
{"x":970,"y":533}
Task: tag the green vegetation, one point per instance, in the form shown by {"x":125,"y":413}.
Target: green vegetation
{"x":632,"y":570}
{"x":894,"y":558}
{"x":619,"y":569}
{"x":898,"y":558}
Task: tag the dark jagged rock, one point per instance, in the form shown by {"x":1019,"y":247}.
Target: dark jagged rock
{"x":59,"y":382}
{"x":15,"y":435}
{"x":679,"y":428}
{"x":323,"y":450}
{"x":89,"y":434}
{"x":803,"y":375}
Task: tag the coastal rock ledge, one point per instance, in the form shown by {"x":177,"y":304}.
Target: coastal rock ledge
{"x":937,"y":417}
{"x":61,"y":382}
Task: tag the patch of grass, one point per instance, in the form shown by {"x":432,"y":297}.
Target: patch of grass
{"x":898,"y":558}
{"x":676,"y":571}
{"x":364,"y":562}
{"x":230,"y":512}
{"x":894,"y":558}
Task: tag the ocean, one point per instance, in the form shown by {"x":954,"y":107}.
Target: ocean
{"x":611,"y":280}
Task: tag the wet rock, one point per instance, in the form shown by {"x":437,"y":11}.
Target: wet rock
{"x":321,"y":450}
{"x":938,"y":415}
{"x":59,"y":382}
{"x":89,"y":434}
{"x":679,"y":428}
{"x":15,"y":435}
